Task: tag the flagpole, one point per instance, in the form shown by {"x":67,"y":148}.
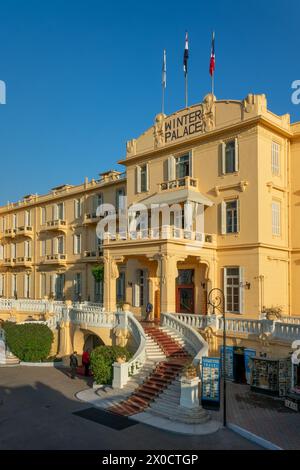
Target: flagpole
{"x":163,"y":100}
{"x":212,"y":84}
{"x":186,"y":90}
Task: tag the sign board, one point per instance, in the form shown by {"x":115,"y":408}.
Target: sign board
{"x":210,"y":383}
{"x":229,"y":362}
{"x":2,"y":352}
{"x":293,"y":405}
{"x":247,"y":354}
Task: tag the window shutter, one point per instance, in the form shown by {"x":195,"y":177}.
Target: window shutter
{"x":238,"y":215}
{"x":171,"y":168}
{"x":74,"y":245}
{"x":147,"y":176}
{"x":191,"y":169}
{"x":225,"y":288}
{"x":136,"y":295}
{"x":236,"y":154}
{"x":223,"y":149}
{"x":55,"y":212}
{"x":138,"y":179}
{"x":25,"y":285}
{"x":241,"y":289}
{"x":223,"y":218}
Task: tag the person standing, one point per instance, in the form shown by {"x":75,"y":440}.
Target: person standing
{"x":149,"y":309}
{"x":73,"y":364}
{"x":86,"y":362}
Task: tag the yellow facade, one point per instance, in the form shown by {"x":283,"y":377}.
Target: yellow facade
{"x":236,"y":158}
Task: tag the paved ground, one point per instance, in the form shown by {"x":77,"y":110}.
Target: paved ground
{"x":36,"y":406}
{"x":262,"y":415}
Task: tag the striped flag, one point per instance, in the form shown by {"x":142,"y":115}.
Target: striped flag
{"x":164,"y":70}
{"x":186,"y":55}
{"x":212,"y":62}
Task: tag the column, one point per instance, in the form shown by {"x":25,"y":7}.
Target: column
{"x":111,"y":274}
{"x":168,"y":273}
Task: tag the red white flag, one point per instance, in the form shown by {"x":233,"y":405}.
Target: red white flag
{"x":212,"y":62}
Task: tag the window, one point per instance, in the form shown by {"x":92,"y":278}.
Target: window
{"x":142,"y":178}
{"x":139,"y":289}
{"x":43,"y":215}
{"x":77,"y":286}
{"x":2,"y":224}
{"x":1,"y":252}
{"x":98,"y":291}
{"x":97,"y":200}
{"x":43,"y":290}
{"x":230,"y":160}
{"x":13,"y":249}
{"x":14,"y":221}
{"x":182,"y":165}
{"x":121,"y":287}
{"x":77,"y":208}
{"x":77,"y":244}
{"x":230,"y":216}
{"x":14,"y":291}
{"x":59,"y":211}
{"x":27,"y":218}
{"x":276,"y":218}
{"x":59,"y":286}
{"x":27,"y":280}
{"x":60,"y":245}
{"x":233,"y":289}
{"x":27,"y":249}
{"x":43,"y":247}
{"x":2,"y":281}
{"x":275,"y":158}
{"x":120,"y":202}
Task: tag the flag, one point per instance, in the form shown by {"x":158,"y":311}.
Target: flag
{"x":186,"y":55}
{"x":164,"y":70}
{"x":212,"y":62}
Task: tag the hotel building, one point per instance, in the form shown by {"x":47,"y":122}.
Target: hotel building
{"x":236,"y":159}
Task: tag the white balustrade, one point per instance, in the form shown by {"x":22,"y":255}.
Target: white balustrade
{"x":286,"y":331}
{"x":195,"y":340}
{"x":92,"y":317}
{"x":122,"y":372}
{"x":197,"y":321}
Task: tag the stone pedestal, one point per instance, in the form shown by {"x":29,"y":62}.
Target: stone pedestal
{"x":189,"y":392}
{"x":120,"y":375}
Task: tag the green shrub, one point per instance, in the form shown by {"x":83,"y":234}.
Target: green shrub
{"x":102,"y":359}
{"x":98,"y":272}
{"x":30,"y":342}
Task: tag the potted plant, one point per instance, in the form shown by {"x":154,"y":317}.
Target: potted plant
{"x":190,"y":371}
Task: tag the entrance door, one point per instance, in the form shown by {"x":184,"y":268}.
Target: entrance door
{"x":185,"y":299}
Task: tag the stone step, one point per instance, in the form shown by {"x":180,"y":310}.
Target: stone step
{"x":176,"y":417}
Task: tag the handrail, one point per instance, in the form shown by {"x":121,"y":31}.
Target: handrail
{"x":122,"y":372}
{"x":196,"y":341}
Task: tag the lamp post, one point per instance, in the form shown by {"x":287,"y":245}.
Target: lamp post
{"x":216,"y":299}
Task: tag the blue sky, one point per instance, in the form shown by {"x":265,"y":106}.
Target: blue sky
{"x":84,"y":76}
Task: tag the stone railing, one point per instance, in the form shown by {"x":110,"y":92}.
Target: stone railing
{"x":286,"y":331}
{"x":197,"y":321}
{"x":123,"y":371}
{"x":92,"y":317}
{"x":193,"y":338}
{"x":287,"y":328}
{"x":245,"y":325}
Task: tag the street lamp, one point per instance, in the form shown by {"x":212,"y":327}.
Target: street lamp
{"x":216,"y":299}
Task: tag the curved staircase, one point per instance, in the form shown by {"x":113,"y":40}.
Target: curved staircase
{"x":161,"y":344}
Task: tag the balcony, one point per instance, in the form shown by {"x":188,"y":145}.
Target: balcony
{"x":180,"y":183}
{"x":24,"y":261}
{"x":92,"y":256}
{"x":167,"y":232}
{"x":9,"y":262}
{"x":25,"y":231}
{"x":10,"y":232}
{"x":58,"y":258}
{"x":91,"y":218}
{"x":54,"y":225}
